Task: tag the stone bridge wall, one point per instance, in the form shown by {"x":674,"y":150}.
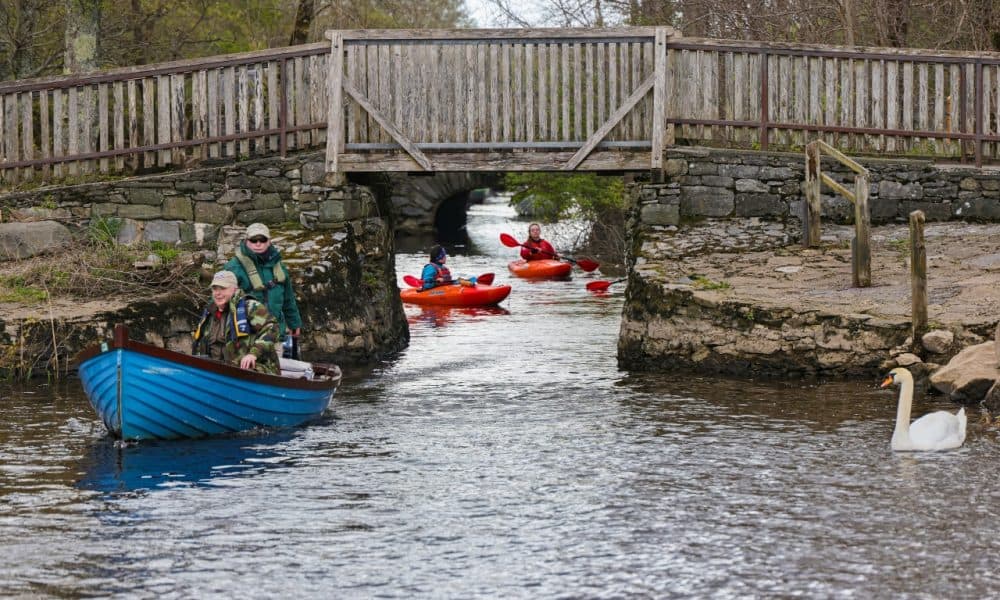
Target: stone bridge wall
{"x":728,"y":184}
{"x":338,"y":243}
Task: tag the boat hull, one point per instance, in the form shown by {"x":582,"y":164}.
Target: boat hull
{"x":456,"y":295}
{"x":540,"y":269}
{"x":142,"y":392}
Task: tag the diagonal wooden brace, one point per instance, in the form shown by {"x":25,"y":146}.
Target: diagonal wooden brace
{"x":608,"y":125}
{"x":386,"y":124}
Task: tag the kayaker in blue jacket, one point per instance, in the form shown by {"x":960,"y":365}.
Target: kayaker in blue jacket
{"x":263,"y":276}
{"x":435,"y":273}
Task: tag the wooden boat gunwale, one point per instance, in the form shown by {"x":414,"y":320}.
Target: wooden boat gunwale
{"x":121,"y":341}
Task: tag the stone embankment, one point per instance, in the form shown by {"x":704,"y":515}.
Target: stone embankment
{"x":338,"y":242}
{"x":720,"y":282}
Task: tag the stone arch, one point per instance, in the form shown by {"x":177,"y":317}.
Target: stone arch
{"x":435,"y":205}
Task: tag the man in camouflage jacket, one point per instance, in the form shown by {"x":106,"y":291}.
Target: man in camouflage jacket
{"x":237,"y":329}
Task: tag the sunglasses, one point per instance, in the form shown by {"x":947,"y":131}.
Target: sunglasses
{"x":257,"y":240}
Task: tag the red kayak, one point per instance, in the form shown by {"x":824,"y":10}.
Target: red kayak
{"x":539,"y":269}
{"x":456,"y":295}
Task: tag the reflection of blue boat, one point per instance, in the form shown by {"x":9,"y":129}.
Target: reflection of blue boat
{"x":112,"y":467}
{"x":145,"y":392}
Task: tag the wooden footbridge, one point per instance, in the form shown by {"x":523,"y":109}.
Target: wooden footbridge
{"x":501,"y":100}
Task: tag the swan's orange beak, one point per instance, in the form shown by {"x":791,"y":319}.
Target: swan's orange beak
{"x":886,"y":382}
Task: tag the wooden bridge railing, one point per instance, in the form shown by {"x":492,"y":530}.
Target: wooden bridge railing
{"x":607,"y":99}
{"x":165,"y":114}
{"x":539,"y":99}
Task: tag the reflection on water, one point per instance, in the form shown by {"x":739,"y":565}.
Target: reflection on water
{"x":439,"y":316}
{"x":505,"y":455}
{"x":111,"y":466}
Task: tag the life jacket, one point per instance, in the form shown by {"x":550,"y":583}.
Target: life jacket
{"x":256,"y":281}
{"x":241,"y":324}
{"x":545,"y":250}
{"x":443,"y":274}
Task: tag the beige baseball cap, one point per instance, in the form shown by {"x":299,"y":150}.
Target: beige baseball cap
{"x":255,"y":229}
{"x":226,"y":279}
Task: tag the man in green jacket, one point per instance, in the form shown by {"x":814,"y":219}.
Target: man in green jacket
{"x":263,"y":276}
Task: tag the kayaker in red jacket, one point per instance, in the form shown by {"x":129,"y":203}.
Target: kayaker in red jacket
{"x":535,"y":248}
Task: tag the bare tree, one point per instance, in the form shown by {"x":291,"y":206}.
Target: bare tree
{"x":29,"y":43}
{"x":305,"y":12}
{"x":83,"y":25}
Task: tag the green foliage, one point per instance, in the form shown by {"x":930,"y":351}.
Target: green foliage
{"x":33,"y":33}
{"x":103,"y":231}
{"x":166,"y":252}
{"x":901,"y":245}
{"x":557,"y":195}
{"x":16,"y":289}
{"x":704,"y":283}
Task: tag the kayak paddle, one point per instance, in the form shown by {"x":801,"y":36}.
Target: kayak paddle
{"x":584,"y":263}
{"x":410,"y":280}
{"x":600,"y":286}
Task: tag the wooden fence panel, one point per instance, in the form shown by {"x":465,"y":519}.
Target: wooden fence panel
{"x":45,"y":138}
{"x":28,"y":132}
{"x":58,"y":130}
{"x":613,"y":98}
{"x":530,"y":79}
{"x":73,"y":129}
{"x":12,"y":150}
{"x":877,"y":103}
{"x":103,"y":126}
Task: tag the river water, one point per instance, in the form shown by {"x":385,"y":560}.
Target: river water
{"x":504,"y":455}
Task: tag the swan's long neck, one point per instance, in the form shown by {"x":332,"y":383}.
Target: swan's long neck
{"x":902,"y":431}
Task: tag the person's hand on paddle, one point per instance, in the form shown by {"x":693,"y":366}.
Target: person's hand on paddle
{"x":248,"y":362}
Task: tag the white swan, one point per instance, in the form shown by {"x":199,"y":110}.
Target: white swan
{"x":939,"y":430}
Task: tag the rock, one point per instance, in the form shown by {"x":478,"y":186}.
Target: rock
{"x":907,"y":360}
{"x":992,"y":399}
{"x":970,"y":375}
{"x":996,"y":342}
{"x":938,"y":341}
{"x":23,"y":240}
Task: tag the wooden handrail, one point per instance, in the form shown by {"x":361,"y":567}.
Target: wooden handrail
{"x":164,"y":68}
{"x":861,"y":244}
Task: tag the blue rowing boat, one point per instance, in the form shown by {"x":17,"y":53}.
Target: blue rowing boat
{"x":144,"y":392}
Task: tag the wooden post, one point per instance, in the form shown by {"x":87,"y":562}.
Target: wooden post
{"x":918,"y":275}
{"x":811,"y":226}
{"x":862,"y":267}
{"x":659,"y":104}
{"x":335,"y":122}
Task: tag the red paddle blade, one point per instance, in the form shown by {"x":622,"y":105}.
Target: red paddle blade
{"x":598,"y":286}
{"x":485,"y":279}
{"x":412,"y":281}
{"x":508,"y":240}
{"x":586,"y":264}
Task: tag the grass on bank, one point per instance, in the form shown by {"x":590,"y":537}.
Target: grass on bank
{"x":97,"y":266}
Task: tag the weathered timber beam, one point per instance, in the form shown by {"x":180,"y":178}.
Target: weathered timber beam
{"x":609,"y":160}
{"x":418,"y":156}
{"x":498,"y":34}
{"x":335,"y":114}
{"x":837,"y":187}
{"x":608,"y":125}
{"x":659,"y":99}
{"x":843,"y":158}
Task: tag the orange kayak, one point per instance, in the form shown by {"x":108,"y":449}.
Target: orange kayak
{"x":550,"y":269}
{"x":456,"y":295}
